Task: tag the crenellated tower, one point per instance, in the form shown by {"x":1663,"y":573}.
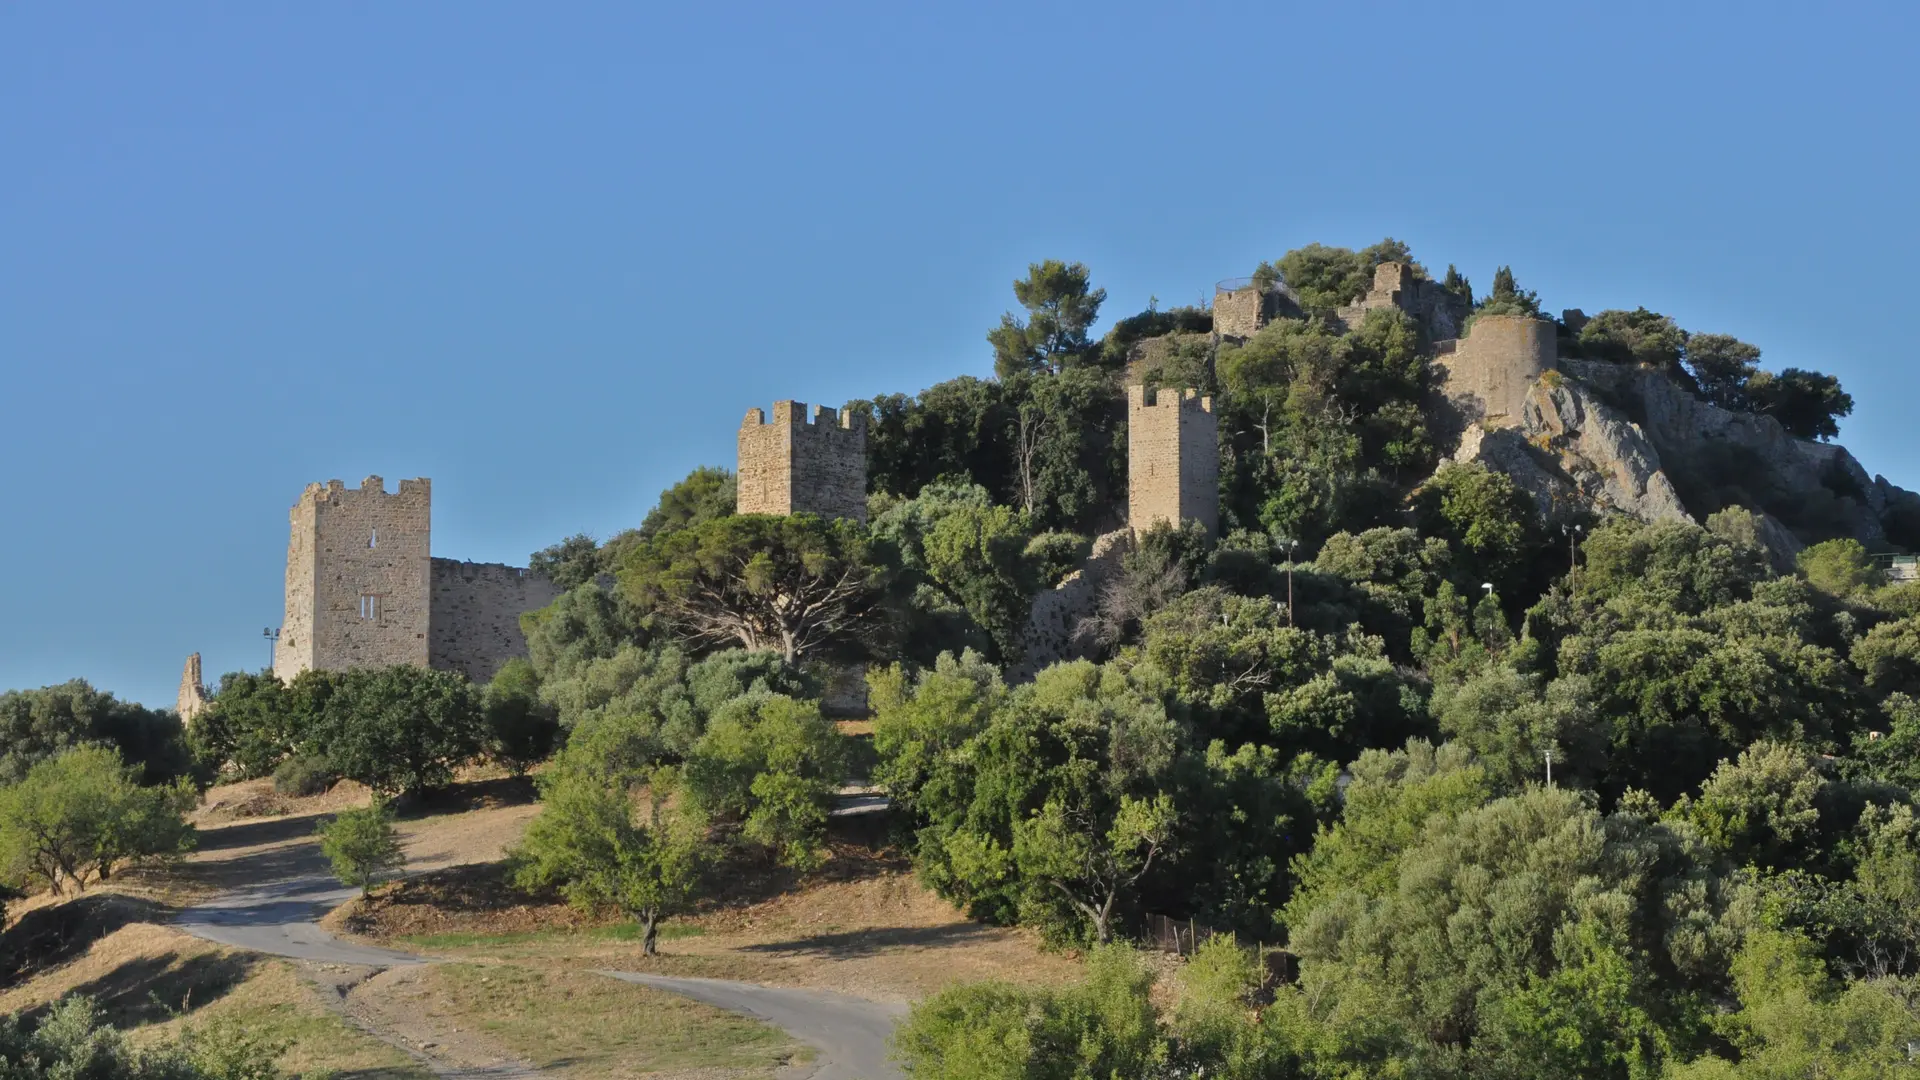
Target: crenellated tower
{"x":1173,"y":458}
{"x":803,"y":463}
{"x":358,"y":575}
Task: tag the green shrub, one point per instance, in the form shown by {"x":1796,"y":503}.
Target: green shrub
{"x":305,"y":774}
{"x":363,"y":844}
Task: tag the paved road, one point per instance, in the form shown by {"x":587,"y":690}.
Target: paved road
{"x":851,"y":1033}
{"x":279,"y":918}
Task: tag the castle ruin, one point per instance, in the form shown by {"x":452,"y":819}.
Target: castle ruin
{"x":192,"y":699}
{"x":1486,"y":375}
{"x":1173,"y":459}
{"x":804,"y":464}
{"x":363,"y":589}
{"x":1242,"y":306}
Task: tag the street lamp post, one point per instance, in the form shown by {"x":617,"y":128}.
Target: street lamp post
{"x":1573,"y":546}
{"x":1291,"y":546}
{"x":273,"y":641}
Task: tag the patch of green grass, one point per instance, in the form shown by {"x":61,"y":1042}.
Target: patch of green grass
{"x":588,"y":1026}
{"x":617,"y":932}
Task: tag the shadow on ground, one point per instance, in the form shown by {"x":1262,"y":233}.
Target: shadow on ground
{"x":153,"y":989}
{"x":857,"y":943}
{"x":48,"y":937}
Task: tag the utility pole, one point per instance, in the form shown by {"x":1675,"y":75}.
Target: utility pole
{"x":273,"y":641}
{"x":1573,"y":547}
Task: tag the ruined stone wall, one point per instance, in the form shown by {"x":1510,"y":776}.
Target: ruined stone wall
{"x":192,"y":700}
{"x":1053,"y":624}
{"x":1173,"y":458}
{"x":1238,"y":313}
{"x":475,"y":614}
{"x":1395,"y":285}
{"x":1486,"y":375}
{"x":803,"y":464}
{"x":357,"y":578}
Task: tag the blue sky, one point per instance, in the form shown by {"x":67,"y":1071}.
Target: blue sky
{"x":548,"y":255}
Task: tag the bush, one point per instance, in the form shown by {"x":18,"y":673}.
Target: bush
{"x":83,"y":815}
{"x":362,"y":844}
{"x":305,"y":774}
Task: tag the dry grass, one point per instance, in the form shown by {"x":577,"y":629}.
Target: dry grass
{"x":863,"y":925}
{"x":589,"y":1027}
{"x":151,"y":980}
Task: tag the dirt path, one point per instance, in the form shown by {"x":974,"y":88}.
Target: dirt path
{"x":384,"y":1004}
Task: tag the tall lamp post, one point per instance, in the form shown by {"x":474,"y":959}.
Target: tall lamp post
{"x":1291,"y":546}
{"x":272,"y":634}
{"x":1573,"y":546}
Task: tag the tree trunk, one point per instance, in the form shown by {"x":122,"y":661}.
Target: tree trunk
{"x":650,"y":935}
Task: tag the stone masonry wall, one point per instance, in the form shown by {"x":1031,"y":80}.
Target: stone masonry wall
{"x":803,"y":464}
{"x":1173,"y":459}
{"x":475,"y":615}
{"x":1396,"y":286}
{"x":1237,"y":314}
{"x":1487,"y":374}
{"x":357,"y":578}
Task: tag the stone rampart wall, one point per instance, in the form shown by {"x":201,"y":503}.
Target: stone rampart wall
{"x":476,"y":609}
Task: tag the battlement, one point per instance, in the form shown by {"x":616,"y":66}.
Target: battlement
{"x":1173,"y":458}
{"x":1140,"y":397}
{"x":796,"y":414}
{"x":337,"y":490}
{"x":804,"y":461}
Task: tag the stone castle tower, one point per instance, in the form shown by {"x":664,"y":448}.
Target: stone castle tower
{"x":363,"y":589}
{"x":1173,"y":458}
{"x":358,"y":568}
{"x":803,"y":464}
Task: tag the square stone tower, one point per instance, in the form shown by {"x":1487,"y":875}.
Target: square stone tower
{"x":1173,"y":458}
{"x":804,"y":464}
{"x":358,"y":578}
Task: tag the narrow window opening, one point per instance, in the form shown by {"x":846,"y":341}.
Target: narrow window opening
{"x":370,"y":606}
{"x":373,"y":541}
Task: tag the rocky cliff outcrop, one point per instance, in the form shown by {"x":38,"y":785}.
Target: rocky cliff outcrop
{"x":1629,"y":439}
{"x":1571,"y":451}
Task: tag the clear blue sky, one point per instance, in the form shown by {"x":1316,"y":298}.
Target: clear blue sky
{"x":549,"y":254}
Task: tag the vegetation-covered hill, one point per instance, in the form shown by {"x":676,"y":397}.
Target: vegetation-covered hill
{"x":1327,"y":729}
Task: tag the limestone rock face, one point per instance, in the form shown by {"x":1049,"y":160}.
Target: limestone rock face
{"x":1619,"y":437}
{"x":1750,"y":451}
{"x":1573,"y":451}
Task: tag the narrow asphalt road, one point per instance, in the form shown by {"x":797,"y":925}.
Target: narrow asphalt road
{"x":280,"y":918}
{"x":851,"y":1033}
